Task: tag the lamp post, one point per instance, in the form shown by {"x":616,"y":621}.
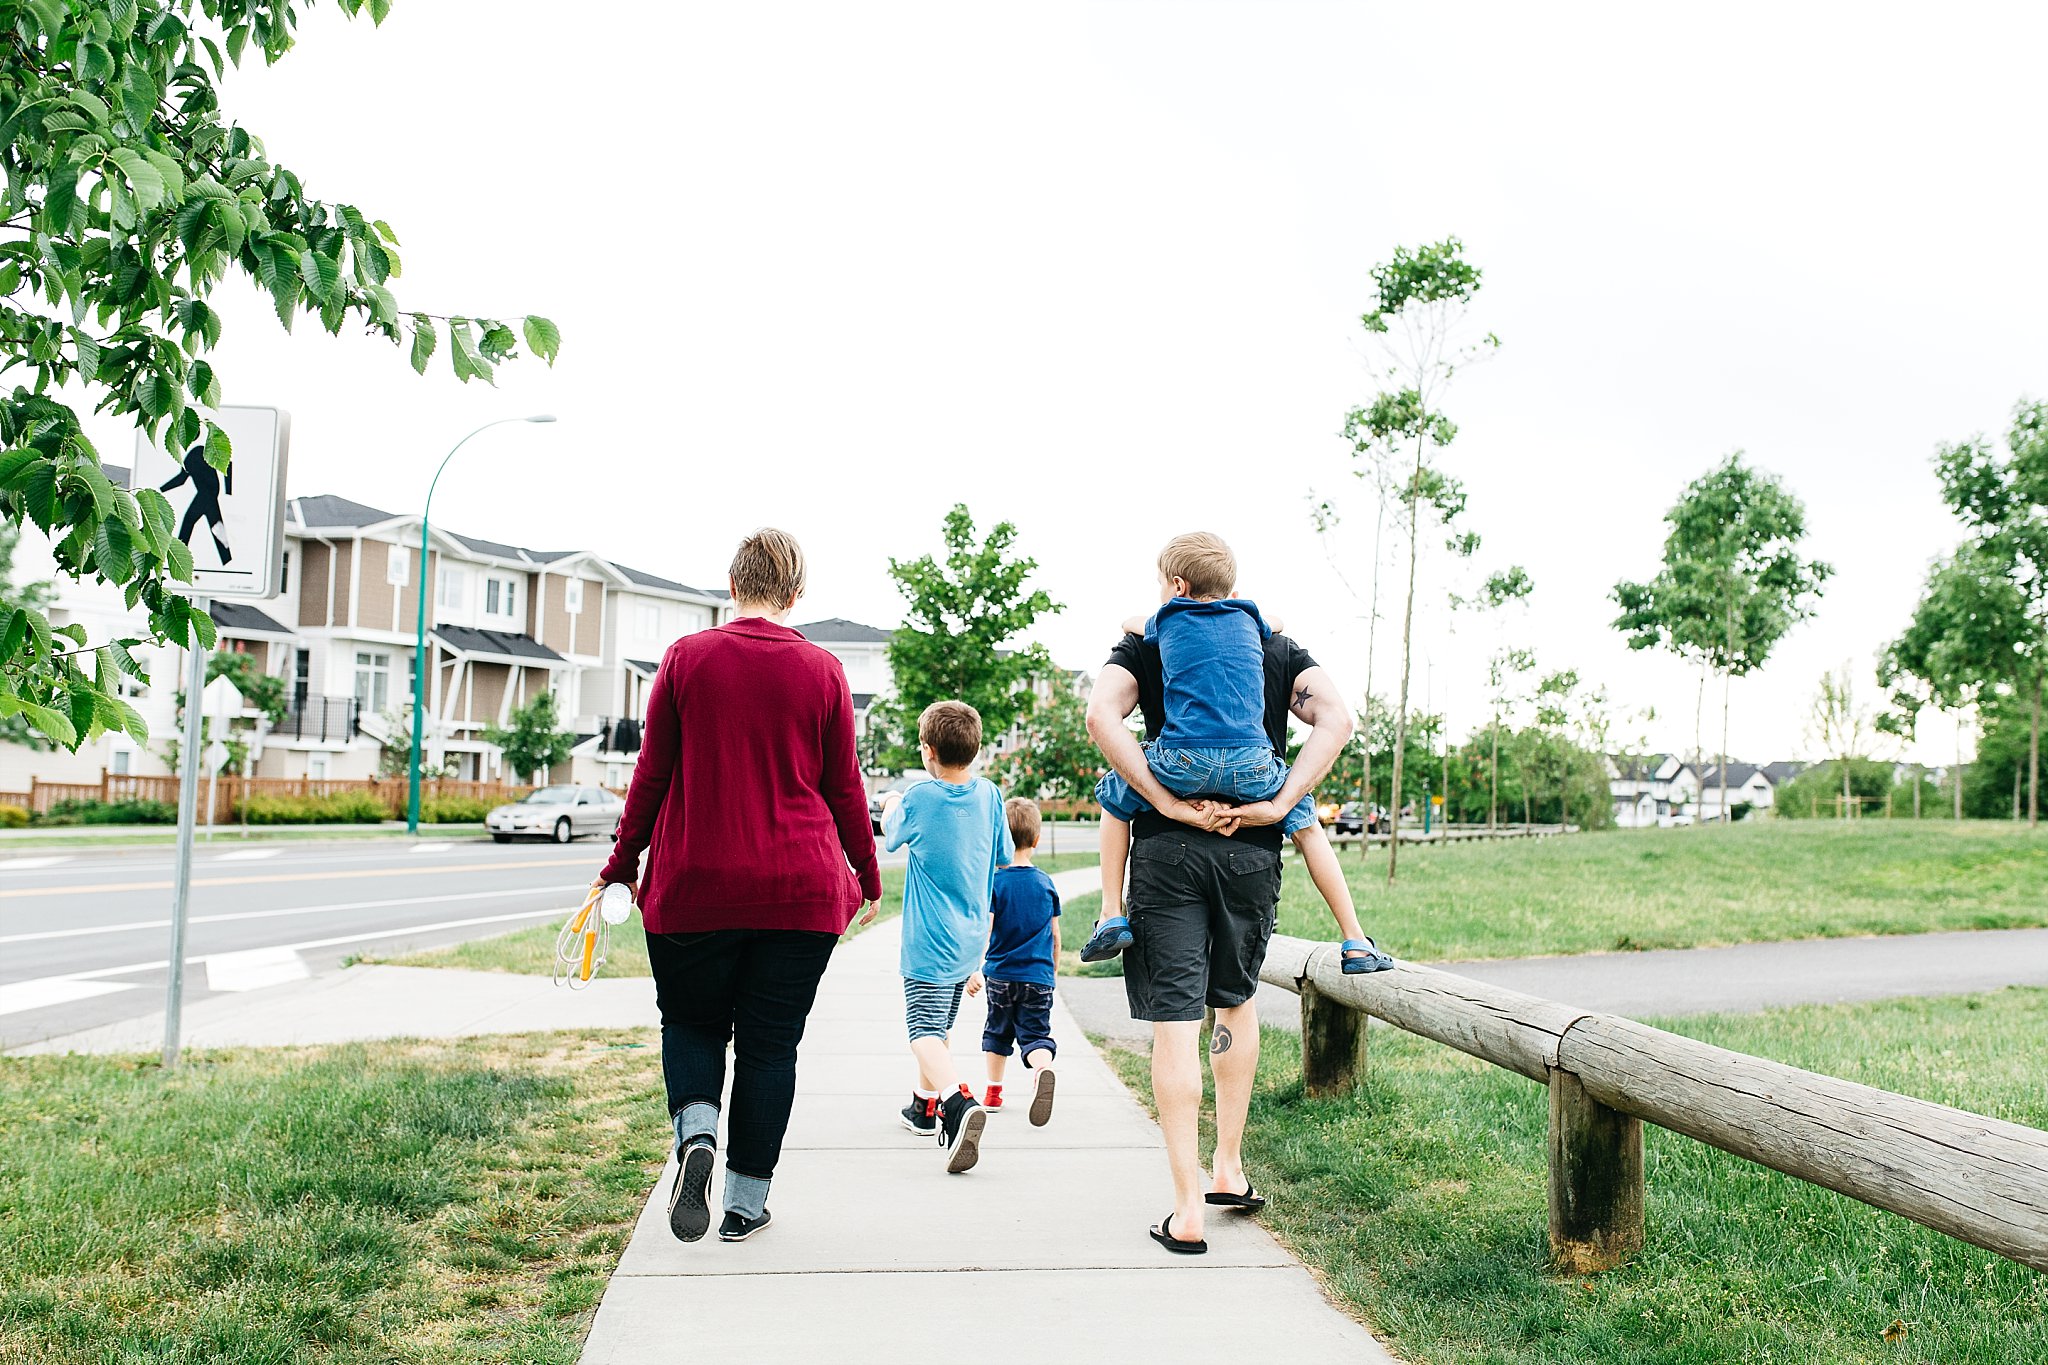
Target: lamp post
{"x":419,"y":649}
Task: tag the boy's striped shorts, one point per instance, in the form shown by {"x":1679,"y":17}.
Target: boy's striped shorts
{"x":930,"y":1007}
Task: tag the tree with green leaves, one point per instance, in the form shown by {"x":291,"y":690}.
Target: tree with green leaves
{"x":14,"y":728}
{"x":1053,"y":759}
{"x":130,"y":198}
{"x":2001,"y":498}
{"x":1840,"y":726}
{"x":1325,"y":517}
{"x":962,"y":617}
{"x":535,"y":740}
{"x":1732,"y":582}
{"x":1510,"y":587}
{"x":1418,"y":320}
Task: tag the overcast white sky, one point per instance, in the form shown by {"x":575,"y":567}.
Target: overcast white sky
{"x":1097,"y":268}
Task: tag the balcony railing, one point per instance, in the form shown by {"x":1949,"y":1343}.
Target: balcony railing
{"x":322,"y":719}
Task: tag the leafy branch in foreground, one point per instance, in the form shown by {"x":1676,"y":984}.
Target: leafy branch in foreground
{"x":128,"y":198}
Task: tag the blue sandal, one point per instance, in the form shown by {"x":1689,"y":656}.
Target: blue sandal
{"x":1111,"y":937}
{"x":1373,"y":960}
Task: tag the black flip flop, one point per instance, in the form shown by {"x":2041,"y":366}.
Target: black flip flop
{"x":1251,"y":1201}
{"x":1163,"y":1234}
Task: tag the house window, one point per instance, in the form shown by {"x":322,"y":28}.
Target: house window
{"x":316,"y":767}
{"x":572,"y":596}
{"x":448,"y":590}
{"x":397,"y":567}
{"x":284,"y":573}
{"x":373,"y":679}
{"x":650,"y":621}
{"x":501,"y":597}
{"x":121,"y":759}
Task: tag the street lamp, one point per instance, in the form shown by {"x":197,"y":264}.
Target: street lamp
{"x":419,"y":649}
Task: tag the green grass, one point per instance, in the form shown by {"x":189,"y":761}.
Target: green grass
{"x":459,"y":1203}
{"x":1623,"y":890}
{"x":1420,"y":1201}
{"x":531,"y":951}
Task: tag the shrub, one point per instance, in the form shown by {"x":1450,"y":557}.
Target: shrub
{"x":13,"y":817}
{"x":449,"y":810}
{"x":127,"y":812}
{"x":339,"y":808}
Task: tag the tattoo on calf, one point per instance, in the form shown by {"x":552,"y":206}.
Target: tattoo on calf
{"x":1220,"y":1043}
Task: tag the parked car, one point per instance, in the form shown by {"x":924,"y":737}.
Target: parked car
{"x":560,"y":812}
{"x":895,"y":784}
{"x":1326,"y":812}
{"x":1355,"y":817}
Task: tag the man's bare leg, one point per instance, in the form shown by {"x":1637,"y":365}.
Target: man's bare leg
{"x":1234,"y":1061}
{"x":1177,"y":1090}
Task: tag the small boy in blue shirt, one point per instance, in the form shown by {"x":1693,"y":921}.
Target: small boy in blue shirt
{"x":1023,"y":952}
{"x":957,"y":837}
{"x":1213,"y":743}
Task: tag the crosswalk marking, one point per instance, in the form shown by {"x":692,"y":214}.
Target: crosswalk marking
{"x":254,"y":969}
{"x":41,"y":994}
{"x":31,"y":864}
{"x":248,"y":855}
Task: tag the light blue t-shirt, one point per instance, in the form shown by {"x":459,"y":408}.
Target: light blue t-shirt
{"x":957,"y":839}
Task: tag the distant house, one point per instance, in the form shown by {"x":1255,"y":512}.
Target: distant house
{"x":1749,"y":784}
{"x":863,"y":651}
{"x":1652,"y":789}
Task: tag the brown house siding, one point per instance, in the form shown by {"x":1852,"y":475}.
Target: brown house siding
{"x":487,"y":684}
{"x":313,"y":570}
{"x":375,"y":613}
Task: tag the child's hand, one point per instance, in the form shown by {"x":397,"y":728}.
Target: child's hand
{"x":891,"y":802}
{"x":867,"y":915}
{"x":974,"y":984}
{"x":1134,"y":625}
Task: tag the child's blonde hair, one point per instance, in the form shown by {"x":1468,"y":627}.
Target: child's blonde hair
{"x":1203,"y":560}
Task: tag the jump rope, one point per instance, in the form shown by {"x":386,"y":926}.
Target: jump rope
{"x":580,"y":947}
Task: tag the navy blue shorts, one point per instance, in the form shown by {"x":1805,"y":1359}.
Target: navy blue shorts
{"x":1019,"y":1012}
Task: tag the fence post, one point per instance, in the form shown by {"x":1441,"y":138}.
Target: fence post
{"x":1596,"y":1180}
{"x":1332,"y":1044}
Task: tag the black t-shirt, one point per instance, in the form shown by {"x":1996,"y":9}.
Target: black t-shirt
{"x":1286,"y":660}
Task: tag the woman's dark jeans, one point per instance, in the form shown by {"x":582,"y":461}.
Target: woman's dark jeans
{"x":753,"y":987}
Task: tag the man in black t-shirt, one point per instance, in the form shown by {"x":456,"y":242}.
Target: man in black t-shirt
{"x":1204,"y":888}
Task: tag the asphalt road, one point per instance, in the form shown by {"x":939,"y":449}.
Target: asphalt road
{"x":85,"y":937}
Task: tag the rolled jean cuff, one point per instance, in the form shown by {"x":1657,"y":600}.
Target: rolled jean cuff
{"x":1117,"y":799}
{"x":1300,"y":817}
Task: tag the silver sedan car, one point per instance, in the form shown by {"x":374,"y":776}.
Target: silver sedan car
{"x":560,"y":812}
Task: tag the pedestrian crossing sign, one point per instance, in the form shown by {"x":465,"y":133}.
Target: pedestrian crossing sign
{"x":232,"y":520}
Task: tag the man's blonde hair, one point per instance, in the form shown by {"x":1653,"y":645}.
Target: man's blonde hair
{"x":1201,"y":558}
{"x":768,"y":569}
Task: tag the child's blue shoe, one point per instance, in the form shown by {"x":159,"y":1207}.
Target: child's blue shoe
{"x":1369,"y":959}
{"x":1111,"y":937}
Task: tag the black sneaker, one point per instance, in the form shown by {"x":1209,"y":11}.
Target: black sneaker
{"x":921,"y":1115}
{"x":689,"y":1203}
{"x":960,"y":1124}
{"x":737,"y":1227}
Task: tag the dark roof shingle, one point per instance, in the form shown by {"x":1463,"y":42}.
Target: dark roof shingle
{"x":241,"y":618}
{"x":325,"y":509}
{"x":501,"y":642}
{"x":839,"y":631}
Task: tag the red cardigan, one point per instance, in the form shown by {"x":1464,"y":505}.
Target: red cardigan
{"x":747,"y":795}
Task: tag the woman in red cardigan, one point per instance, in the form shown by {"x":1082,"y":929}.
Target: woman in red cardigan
{"x":748,"y":801}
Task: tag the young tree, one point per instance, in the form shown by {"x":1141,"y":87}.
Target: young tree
{"x":1325,"y":518}
{"x":1840,"y":726}
{"x":1732,"y":582}
{"x":1512,"y":586}
{"x":1054,"y":759}
{"x":129,"y":198}
{"x":962,"y":615}
{"x":1418,"y":316}
{"x":535,"y":740}
{"x":2002,"y":499}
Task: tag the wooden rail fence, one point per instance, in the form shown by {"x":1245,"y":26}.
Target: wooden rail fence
{"x":1978,"y":1179}
{"x":1459,"y":834}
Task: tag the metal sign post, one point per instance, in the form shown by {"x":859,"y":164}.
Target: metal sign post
{"x":188,"y":811}
{"x":233,"y":522}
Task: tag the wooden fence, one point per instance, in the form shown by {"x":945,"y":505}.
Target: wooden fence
{"x":1978,"y":1179}
{"x":1459,"y":834}
{"x":228,"y":791}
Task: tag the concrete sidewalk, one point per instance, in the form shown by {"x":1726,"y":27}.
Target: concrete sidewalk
{"x":1039,"y":1253}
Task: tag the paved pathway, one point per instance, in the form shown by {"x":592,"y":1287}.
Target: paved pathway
{"x":1039,"y":1253}
{"x":1738,"y":980}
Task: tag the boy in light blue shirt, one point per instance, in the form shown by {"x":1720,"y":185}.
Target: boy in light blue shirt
{"x":957,"y":837}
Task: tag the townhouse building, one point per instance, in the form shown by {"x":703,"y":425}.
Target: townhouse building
{"x":504,"y":623}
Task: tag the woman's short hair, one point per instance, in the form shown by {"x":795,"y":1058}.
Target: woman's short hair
{"x":953,"y":729}
{"x":1203,"y":560}
{"x":768,"y":569}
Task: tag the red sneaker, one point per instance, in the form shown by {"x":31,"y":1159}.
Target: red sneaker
{"x":993,"y":1101}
